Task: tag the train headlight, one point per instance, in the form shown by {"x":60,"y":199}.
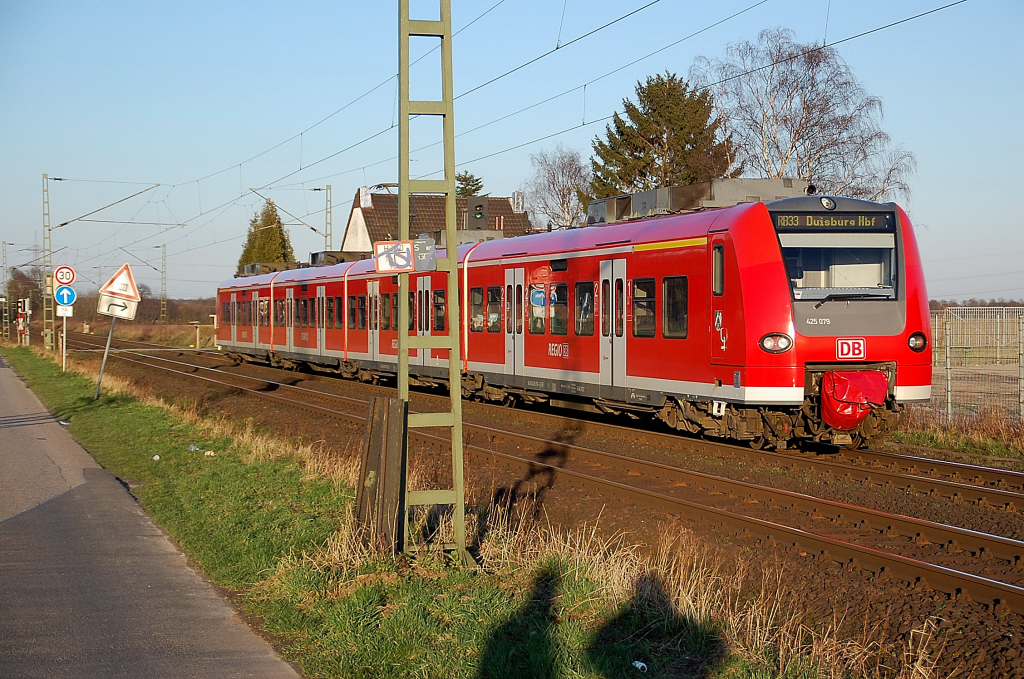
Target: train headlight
{"x":776,"y":342}
{"x":917,"y":342}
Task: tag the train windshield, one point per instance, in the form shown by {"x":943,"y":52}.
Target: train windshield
{"x":855,"y":261}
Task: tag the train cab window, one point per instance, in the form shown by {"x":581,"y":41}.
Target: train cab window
{"x":718,"y":270}
{"x":439,"y":310}
{"x":329,"y":312}
{"x":674,"y":311}
{"x":559,"y":312}
{"x":385,"y":311}
{"x":606,"y":308}
{"x":494,"y":308}
{"x":620,"y":304}
{"x":538,"y":302}
{"x":361,"y":318}
{"x":644,"y":307}
{"x":585,"y":308}
{"x":351,"y":312}
{"x":519,"y":309}
{"x":476,"y":309}
{"x":508,"y":309}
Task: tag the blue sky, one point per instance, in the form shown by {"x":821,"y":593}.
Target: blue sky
{"x":190,"y":95}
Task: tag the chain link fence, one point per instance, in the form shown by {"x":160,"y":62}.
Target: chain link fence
{"x":977,"y":360}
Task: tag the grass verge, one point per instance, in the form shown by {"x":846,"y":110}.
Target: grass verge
{"x":982,"y":434}
{"x":272,"y":521}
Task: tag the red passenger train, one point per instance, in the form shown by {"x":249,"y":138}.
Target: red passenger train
{"x":802,"y":318}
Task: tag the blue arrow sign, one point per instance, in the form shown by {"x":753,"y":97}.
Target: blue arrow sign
{"x":65,"y":295}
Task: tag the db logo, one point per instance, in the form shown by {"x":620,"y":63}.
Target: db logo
{"x":851,"y":349}
{"x":558,"y":350}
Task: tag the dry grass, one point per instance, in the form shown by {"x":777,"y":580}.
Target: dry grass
{"x":983,"y":433}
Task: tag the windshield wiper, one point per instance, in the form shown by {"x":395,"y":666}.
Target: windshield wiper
{"x":845,"y":295}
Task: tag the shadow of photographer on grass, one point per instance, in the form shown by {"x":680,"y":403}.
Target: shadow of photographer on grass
{"x":647,"y":628}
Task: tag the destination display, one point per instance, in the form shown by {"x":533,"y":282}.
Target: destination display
{"x":853,"y":221}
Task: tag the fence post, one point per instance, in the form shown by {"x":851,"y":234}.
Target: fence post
{"x":949,"y":378}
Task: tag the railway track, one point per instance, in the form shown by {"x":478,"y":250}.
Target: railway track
{"x":958,"y":561}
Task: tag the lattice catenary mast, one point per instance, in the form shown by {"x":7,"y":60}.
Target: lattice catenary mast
{"x":455,"y":496}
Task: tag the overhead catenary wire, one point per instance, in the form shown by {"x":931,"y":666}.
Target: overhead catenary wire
{"x":560,"y":132}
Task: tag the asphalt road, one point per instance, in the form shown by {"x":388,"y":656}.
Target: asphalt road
{"x":89,"y":586}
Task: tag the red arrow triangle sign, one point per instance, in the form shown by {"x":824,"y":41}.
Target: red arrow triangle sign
{"x":122,"y":285}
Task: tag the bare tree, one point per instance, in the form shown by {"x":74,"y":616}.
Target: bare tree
{"x":796,"y":110}
{"x":556,"y":194}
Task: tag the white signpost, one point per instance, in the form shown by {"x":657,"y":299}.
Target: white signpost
{"x":65,"y":295}
{"x":118,"y":298}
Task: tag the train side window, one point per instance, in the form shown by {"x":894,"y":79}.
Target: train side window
{"x":619,"y":307}
{"x":508,"y":309}
{"x":718,"y":270}
{"x":585,"y":308}
{"x":674,"y":311}
{"x":361,"y":318}
{"x":351,"y":312}
{"x":329,"y":312}
{"x":559,"y":311}
{"x":339,"y":312}
{"x":302,"y":313}
{"x":385,"y":312}
{"x":606,"y":308}
{"x":372,"y":302}
{"x":314,"y":303}
{"x":494,"y":308}
{"x":644,"y":303}
{"x":476,"y":309}
{"x":412,"y":310}
{"x":519,"y":309}
{"x":538,"y":316}
{"x":439,"y":310}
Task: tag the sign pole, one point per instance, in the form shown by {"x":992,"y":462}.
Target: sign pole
{"x":64,"y":347}
{"x":106,"y":352}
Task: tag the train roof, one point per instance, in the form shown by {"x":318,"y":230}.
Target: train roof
{"x":589,"y":238}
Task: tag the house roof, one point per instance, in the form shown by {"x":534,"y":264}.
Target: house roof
{"x":426,"y":213}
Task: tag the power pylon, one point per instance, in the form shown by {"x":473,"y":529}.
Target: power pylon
{"x":7,"y":300}
{"x":329,"y":226}
{"x":452,"y":419}
{"x":49,"y":315}
{"x":163,"y":284}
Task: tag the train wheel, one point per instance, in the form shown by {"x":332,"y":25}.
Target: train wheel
{"x":759,"y":443}
{"x":856,"y":441}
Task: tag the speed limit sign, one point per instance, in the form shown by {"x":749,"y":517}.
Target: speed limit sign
{"x":64,"y":275}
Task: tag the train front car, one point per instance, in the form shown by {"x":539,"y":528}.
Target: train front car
{"x":859,"y":312}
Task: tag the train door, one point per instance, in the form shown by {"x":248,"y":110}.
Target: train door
{"x":234,"y":318}
{"x":373,"y":319}
{"x":424,"y":316}
{"x":321,"y":325}
{"x":718,"y":330}
{"x":514,"y":354}
{"x":289,"y":317}
{"x":613,"y":323}
{"x":254,"y":318}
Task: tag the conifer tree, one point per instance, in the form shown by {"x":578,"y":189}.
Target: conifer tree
{"x":669,"y":137}
{"x":468,"y":184}
{"x":267,"y":241}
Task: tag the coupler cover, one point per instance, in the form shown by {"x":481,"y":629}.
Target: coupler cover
{"x":847,"y":396}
